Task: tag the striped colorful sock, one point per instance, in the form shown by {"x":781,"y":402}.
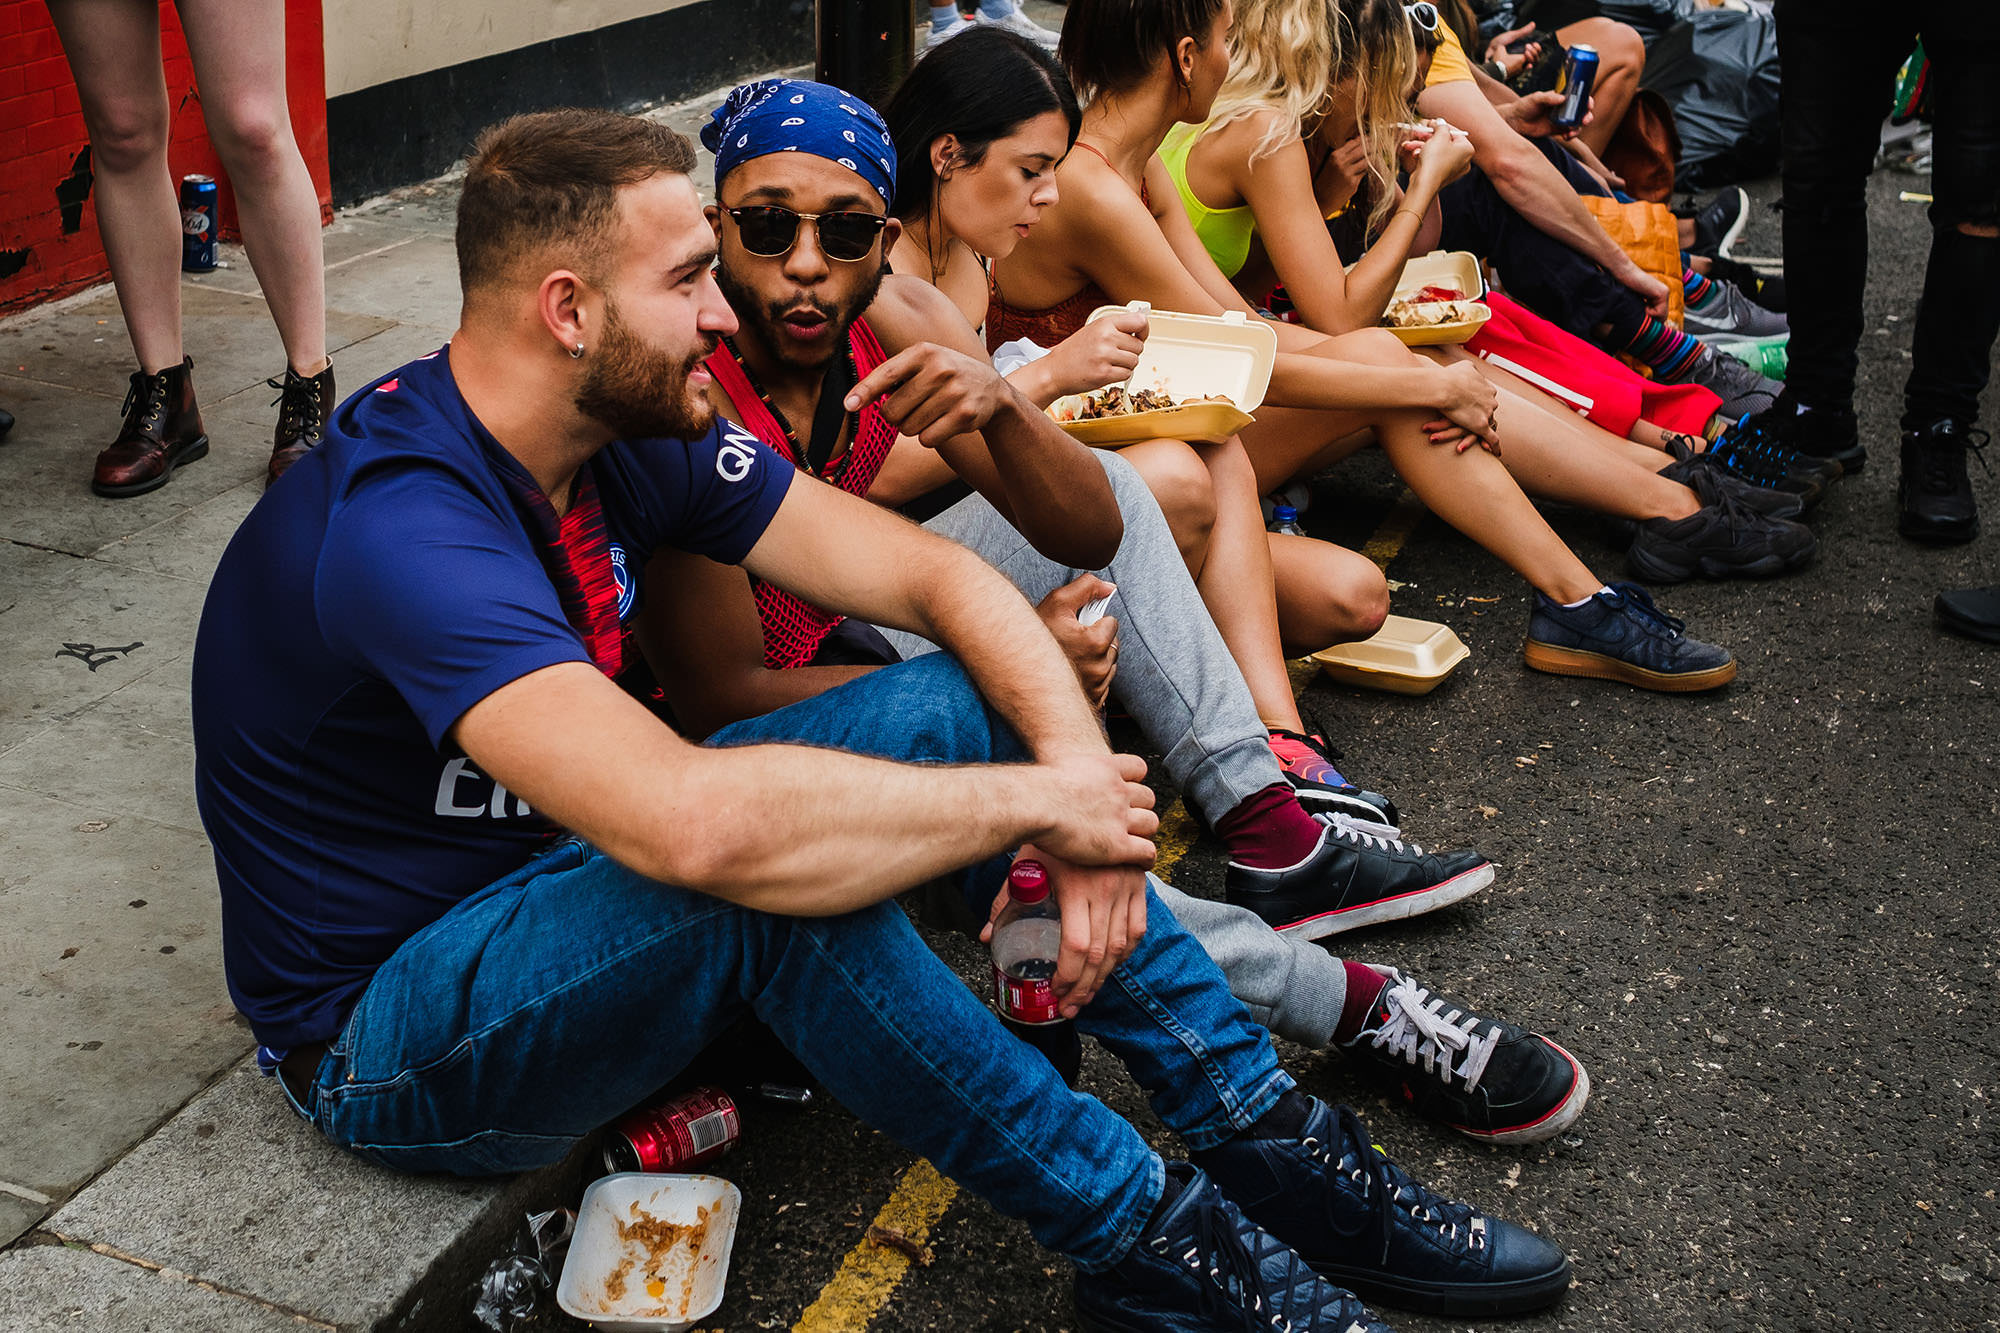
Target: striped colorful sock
{"x":1663,"y":347}
{"x":1696,"y":286}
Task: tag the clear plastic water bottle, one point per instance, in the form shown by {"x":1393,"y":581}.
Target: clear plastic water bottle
{"x":1027,"y":937}
{"x":1284,"y":518}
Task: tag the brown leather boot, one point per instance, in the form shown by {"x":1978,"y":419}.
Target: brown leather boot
{"x":303,"y":405}
{"x":162,"y":430}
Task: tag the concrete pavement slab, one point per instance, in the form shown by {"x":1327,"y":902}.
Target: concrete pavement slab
{"x":345,"y":240}
{"x":17,"y":1216}
{"x":73,"y":631}
{"x":188,"y":545}
{"x":45,"y":1288}
{"x":132,"y":752}
{"x":116,"y":1012}
{"x":229,"y":335}
{"x":45,"y":464}
{"x":415,"y":283}
{"x":236,"y":1188}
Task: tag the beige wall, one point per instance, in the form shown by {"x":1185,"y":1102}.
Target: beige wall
{"x":373,"y":41}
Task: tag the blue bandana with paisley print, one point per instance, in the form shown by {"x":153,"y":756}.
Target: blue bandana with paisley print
{"x":799,"y":116}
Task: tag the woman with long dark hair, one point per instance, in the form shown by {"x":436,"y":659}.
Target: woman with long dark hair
{"x":980,"y":126}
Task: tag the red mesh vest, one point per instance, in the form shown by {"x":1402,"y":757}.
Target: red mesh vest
{"x":794,"y":630}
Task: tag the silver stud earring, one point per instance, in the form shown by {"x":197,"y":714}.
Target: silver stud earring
{"x":576,"y":352}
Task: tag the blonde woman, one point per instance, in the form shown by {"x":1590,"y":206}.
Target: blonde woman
{"x":1310,"y":84}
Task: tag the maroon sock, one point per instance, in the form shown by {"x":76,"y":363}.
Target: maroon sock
{"x":1364,"y":986}
{"x":1270,"y":830}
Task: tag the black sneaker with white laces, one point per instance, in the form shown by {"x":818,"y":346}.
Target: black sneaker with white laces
{"x":1480,"y":1075}
{"x":1202,"y":1267}
{"x":1359,"y":874}
{"x":1366,"y":1225}
{"x":1719,"y":221}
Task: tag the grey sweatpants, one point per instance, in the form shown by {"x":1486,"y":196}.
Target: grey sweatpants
{"x":1179,"y":683}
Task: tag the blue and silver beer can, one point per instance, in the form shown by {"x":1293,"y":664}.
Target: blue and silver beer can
{"x":198,"y":224}
{"x":1579,"y":75}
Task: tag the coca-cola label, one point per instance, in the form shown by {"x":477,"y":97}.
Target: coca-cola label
{"x":1025,"y":1000}
{"x":682,"y":1133}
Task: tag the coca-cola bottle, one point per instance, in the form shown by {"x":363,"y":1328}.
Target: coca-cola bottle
{"x":1027,"y":937}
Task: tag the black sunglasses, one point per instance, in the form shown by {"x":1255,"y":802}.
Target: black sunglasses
{"x":771,"y":231}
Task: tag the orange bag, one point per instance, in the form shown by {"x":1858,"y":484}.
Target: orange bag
{"x":1649,"y":234}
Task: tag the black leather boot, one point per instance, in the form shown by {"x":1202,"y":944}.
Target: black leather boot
{"x":303,"y":406}
{"x":162,"y":430}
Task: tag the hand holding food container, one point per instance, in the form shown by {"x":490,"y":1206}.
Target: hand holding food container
{"x":1103,"y":351}
{"x":1199,"y":378}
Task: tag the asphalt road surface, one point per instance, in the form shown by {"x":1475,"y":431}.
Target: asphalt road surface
{"x":1762,"y":917}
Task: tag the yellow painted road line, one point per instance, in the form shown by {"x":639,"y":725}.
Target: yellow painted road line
{"x":1395,"y":529}
{"x":870,"y":1273}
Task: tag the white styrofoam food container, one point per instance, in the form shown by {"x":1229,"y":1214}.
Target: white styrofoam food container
{"x":1191,"y":356}
{"x":690,"y":1271}
{"x":1405,"y":656}
{"x":1443,"y":268}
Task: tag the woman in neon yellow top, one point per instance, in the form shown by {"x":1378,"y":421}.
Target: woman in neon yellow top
{"x":1300,"y":123}
{"x":1291,"y":112}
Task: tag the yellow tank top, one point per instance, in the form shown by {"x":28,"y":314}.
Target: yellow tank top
{"x":1225,"y":232}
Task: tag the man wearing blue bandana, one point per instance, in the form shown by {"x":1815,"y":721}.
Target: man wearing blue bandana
{"x":477,"y":901}
{"x":812,"y":322}
{"x":814,"y":309}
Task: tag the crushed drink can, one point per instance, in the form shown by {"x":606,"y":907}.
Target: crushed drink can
{"x":198,"y":224}
{"x":1579,"y":76}
{"x":678,"y":1134}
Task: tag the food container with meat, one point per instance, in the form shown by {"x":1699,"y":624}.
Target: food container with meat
{"x":1436,"y":300}
{"x":651,"y":1252}
{"x":1199,"y":378}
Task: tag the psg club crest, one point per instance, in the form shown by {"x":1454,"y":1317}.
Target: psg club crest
{"x":622,"y":578}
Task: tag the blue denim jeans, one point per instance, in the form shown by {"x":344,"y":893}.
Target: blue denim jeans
{"x":544,"y":1005}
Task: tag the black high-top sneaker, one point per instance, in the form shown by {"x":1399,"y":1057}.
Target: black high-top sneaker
{"x":1934,"y":497}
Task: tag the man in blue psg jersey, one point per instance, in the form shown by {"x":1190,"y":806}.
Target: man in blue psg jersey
{"x":477,"y":900}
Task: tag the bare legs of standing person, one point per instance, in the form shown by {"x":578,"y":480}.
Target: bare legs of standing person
{"x":238,"y":50}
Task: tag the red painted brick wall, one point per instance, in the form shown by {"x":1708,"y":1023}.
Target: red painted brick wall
{"x":49,"y":244}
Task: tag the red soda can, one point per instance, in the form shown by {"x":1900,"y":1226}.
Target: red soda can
{"x":679,"y":1134}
